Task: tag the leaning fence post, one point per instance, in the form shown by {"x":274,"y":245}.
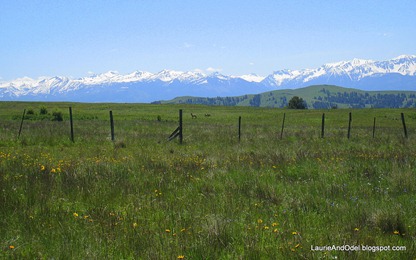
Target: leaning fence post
{"x":239,"y":128}
{"x":323,"y":126}
{"x":374,"y":127}
{"x":349,"y":126}
{"x":283,"y":125}
{"x":112,"y":125}
{"x":404,"y":126}
{"x":178,"y":131}
{"x":71,"y":124}
{"x":21,"y":123}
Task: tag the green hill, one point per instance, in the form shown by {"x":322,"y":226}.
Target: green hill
{"x":316,"y":97}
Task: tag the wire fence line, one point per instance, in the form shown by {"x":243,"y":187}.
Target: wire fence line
{"x":282,"y":125}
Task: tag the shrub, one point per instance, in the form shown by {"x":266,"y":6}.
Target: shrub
{"x":30,"y":111}
{"x":43,"y":111}
{"x":57,"y":116}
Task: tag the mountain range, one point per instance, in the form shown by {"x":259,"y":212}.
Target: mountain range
{"x":395,"y":74}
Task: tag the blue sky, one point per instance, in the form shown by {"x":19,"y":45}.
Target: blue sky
{"x":77,"y":38}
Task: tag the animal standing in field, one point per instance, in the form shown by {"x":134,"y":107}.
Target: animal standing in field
{"x":193,"y":116}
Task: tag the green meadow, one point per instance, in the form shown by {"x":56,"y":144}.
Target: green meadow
{"x":213,"y":196}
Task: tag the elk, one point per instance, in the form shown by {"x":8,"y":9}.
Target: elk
{"x":193,"y":116}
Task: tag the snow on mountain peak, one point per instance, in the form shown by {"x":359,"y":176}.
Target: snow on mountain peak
{"x":407,"y":57}
{"x":137,"y":76}
{"x":354,"y":70}
{"x":168,"y":75}
{"x":359,"y":62}
{"x":171,"y":75}
{"x":252,"y":77}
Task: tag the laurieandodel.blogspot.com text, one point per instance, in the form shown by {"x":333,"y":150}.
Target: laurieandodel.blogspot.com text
{"x":357,"y":248}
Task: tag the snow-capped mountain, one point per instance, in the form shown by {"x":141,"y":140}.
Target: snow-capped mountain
{"x":395,"y":74}
{"x":139,"y":86}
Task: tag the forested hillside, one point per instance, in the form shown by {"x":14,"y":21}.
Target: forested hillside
{"x":316,"y":97}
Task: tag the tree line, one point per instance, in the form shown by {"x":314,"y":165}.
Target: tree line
{"x":326,"y":99}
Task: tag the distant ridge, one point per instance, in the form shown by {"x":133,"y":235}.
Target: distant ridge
{"x":316,"y":97}
{"x":396,"y":74}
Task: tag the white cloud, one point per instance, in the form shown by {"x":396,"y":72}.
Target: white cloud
{"x":211,"y":69}
{"x":198,"y":71}
{"x":187,"y":45}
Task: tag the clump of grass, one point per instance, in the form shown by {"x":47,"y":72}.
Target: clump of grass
{"x":120,"y":144}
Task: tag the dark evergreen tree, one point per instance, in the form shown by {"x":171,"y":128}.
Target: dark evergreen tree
{"x":297,"y":103}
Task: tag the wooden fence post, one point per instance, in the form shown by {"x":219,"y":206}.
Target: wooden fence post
{"x":21,"y":123}
{"x":283,"y":125}
{"x":180,"y":127}
{"x":71,"y":124}
{"x":349,"y":125}
{"x":404,"y":126}
{"x":374,"y":127}
{"x":112,"y":125}
{"x":323,"y":126}
{"x":178,"y":131}
{"x":239,"y":128}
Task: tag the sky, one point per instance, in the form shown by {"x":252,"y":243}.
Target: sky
{"x":234,"y":37}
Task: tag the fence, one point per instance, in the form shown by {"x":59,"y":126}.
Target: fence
{"x":249,"y":128}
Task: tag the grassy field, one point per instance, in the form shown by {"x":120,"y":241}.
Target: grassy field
{"x":213,"y":197}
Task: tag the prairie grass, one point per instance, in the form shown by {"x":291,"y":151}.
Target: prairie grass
{"x":213,"y":197}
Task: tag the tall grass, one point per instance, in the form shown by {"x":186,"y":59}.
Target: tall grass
{"x":212,"y":197}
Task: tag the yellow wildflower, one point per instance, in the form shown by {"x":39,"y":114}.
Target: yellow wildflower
{"x":167,"y":230}
{"x":259,"y":221}
{"x":356,"y":229}
{"x":42,"y":167}
{"x":75,"y":214}
{"x":294,"y":233}
{"x":11,"y":247}
{"x":135,"y":225}
{"x":181,"y":257}
{"x":274,"y":224}
{"x":396,"y":232}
